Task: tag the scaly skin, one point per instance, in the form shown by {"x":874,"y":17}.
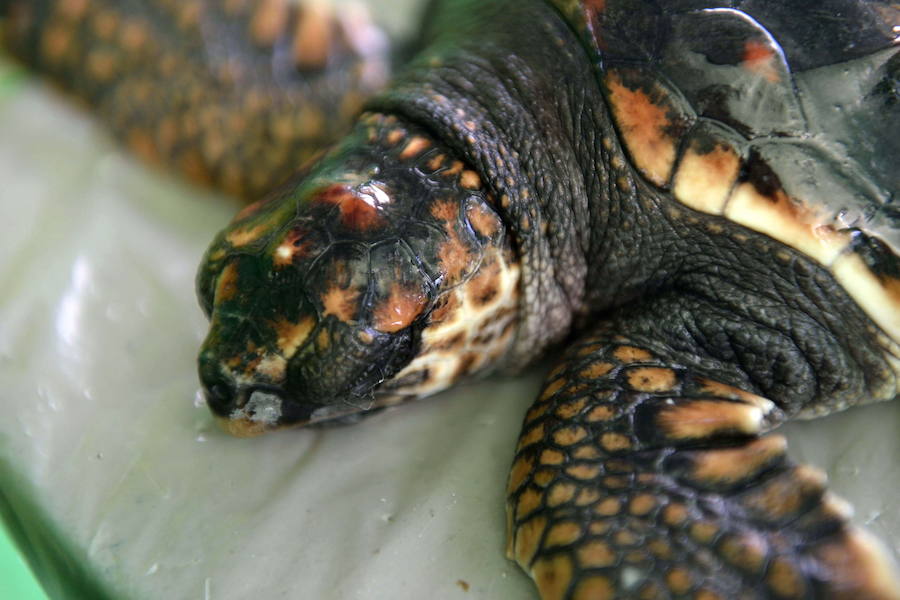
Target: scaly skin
{"x":494,"y":175}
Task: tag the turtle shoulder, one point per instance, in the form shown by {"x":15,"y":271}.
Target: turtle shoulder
{"x":780,"y":117}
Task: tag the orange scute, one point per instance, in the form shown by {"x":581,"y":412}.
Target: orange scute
{"x":643,"y":119}
{"x":759,"y":58}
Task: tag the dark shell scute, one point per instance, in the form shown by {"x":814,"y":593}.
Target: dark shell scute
{"x":814,"y":33}
{"x":731,"y":69}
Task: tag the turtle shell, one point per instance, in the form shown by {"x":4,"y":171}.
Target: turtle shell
{"x":783,"y":117}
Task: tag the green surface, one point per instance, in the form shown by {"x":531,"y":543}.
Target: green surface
{"x":16,"y":580}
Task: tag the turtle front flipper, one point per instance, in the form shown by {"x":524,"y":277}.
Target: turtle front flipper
{"x":234,"y":93}
{"x":639,"y":477}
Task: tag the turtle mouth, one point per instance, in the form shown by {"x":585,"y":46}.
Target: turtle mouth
{"x":264,"y":410}
{"x":252,"y":408}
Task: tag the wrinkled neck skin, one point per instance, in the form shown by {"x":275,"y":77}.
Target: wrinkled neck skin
{"x":508,"y":86}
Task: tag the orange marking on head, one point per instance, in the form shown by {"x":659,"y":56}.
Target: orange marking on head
{"x":292,"y":335}
{"x":226,"y":285}
{"x":470,"y":180}
{"x":245,"y":235}
{"x":456,"y":167}
{"x":250,"y":209}
{"x":273,"y":367}
{"x":483,"y":220}
{"x":242,"y":428}
{"x":414,"y":147}
{"x":454,"y":256}
{"x":293,"y":245}
{"x":445,"y":210}
{"x":400,"y":309}
{"x":643,"y":120}
{"x":340,"y":302}
{"x":394,"y":137}
{"x":357,"y":212}
{"x":760,"y":59}
{"x":436,"y":163}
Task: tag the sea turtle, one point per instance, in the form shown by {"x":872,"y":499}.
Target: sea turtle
{"x":693,"y":201}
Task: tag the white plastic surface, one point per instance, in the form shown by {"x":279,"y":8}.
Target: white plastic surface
{"x":110,"y":462}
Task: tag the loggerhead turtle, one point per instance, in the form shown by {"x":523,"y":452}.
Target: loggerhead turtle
{"x":693,"y":200}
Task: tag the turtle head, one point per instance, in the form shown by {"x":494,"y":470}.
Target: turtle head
{"x":381,"y":275}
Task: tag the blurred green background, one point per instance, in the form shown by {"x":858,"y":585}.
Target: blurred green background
{"x":16,"y":579}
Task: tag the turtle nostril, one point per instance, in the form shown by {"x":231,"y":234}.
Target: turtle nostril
{"x":220,"y":397}
{"x":220,"y":392}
